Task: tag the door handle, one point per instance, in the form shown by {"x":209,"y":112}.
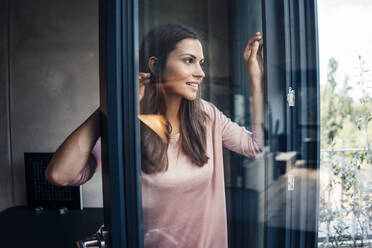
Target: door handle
{"x":99,"y":240}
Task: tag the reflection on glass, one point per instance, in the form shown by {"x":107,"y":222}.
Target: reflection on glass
{"x":190,"y":194}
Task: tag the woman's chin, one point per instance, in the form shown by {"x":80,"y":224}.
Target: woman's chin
{"x":190,"y":97}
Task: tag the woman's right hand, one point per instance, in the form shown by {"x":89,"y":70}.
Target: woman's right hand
{"x":144,"y":78}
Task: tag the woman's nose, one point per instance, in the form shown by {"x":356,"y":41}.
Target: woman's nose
{"x":199,"y":72}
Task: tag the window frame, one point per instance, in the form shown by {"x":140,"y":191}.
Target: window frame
{"x":118,"y":35}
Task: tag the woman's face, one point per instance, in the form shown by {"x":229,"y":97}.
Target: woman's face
{"x":183,"y":73}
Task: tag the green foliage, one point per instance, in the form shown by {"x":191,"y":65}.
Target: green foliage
{"x":345,"y":123}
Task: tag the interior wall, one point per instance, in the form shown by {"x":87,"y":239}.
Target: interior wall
{"x":53,"y":83}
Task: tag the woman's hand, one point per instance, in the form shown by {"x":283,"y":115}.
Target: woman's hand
{"x":253,"y":58}
{"x":143,"y":78}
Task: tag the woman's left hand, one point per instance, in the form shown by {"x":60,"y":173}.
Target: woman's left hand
{"x":253,"y":57}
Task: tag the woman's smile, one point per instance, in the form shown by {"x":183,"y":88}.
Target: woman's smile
{"x":193,"y":85}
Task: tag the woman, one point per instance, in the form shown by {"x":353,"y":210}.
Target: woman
{"x":183,"y":193}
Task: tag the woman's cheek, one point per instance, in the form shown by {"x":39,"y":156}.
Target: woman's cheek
{"x":183,"y":71}
{"x":186,"y":73}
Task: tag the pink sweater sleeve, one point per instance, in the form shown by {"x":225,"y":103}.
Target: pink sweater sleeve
{"x":93,"y":165}
{"x":237,"y":138}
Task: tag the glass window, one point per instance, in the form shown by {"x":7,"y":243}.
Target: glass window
{"x":196,"y":99}
{"x":346,"y":105}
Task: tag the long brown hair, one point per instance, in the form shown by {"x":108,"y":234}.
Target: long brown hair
{"x":160,"y":42}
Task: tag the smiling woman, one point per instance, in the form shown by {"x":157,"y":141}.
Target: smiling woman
{"x":183,"y":191}
{"x":174,"y":71}
{"x":183,"y":194}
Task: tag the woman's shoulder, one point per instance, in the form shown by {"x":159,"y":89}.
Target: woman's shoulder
{"x":208,"y":107}
{"x":213,"y":113}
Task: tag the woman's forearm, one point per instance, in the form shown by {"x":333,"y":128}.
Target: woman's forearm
{"x":257,"y":101}
{"x":71,"y":157}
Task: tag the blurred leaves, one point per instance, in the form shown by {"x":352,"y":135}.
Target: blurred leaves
{"x":346,"y":183}
{"x":345,"y":122}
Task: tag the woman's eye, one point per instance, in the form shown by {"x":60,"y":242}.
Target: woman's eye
{"x":188,"y":60}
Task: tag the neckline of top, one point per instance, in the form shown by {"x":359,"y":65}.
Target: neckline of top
{"x":174,"y":136}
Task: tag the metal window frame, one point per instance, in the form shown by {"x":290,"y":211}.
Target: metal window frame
{"x":119,"y":123}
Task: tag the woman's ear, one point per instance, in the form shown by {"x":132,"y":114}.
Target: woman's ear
{"x":152,"y":64}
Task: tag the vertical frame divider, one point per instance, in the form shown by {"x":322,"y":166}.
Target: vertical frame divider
{"x":111,"y":121}
{"x":120,"y":134}
{"x":131,"y":127}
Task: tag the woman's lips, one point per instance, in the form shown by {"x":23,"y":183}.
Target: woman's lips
{"x":193,"y":85}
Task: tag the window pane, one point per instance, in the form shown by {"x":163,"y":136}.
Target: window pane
{"x":195,"y":193}
{"x":346,"y":105}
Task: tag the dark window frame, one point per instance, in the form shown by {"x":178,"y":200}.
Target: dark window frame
{"x":119,"y":124}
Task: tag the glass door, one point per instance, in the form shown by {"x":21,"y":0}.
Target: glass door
{"x":222,"y":202}
{"x":213,"y":174}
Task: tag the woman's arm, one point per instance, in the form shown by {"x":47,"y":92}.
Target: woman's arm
{"x":237,"y":138}
{"x":72,"y":156}
{"x":74,"y":162}
{"x":254,"y":64}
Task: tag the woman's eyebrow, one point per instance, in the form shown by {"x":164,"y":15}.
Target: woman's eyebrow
{"x":193,"y":56}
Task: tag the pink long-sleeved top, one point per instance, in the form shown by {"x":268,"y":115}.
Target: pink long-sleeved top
{"x":185,"y":205}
